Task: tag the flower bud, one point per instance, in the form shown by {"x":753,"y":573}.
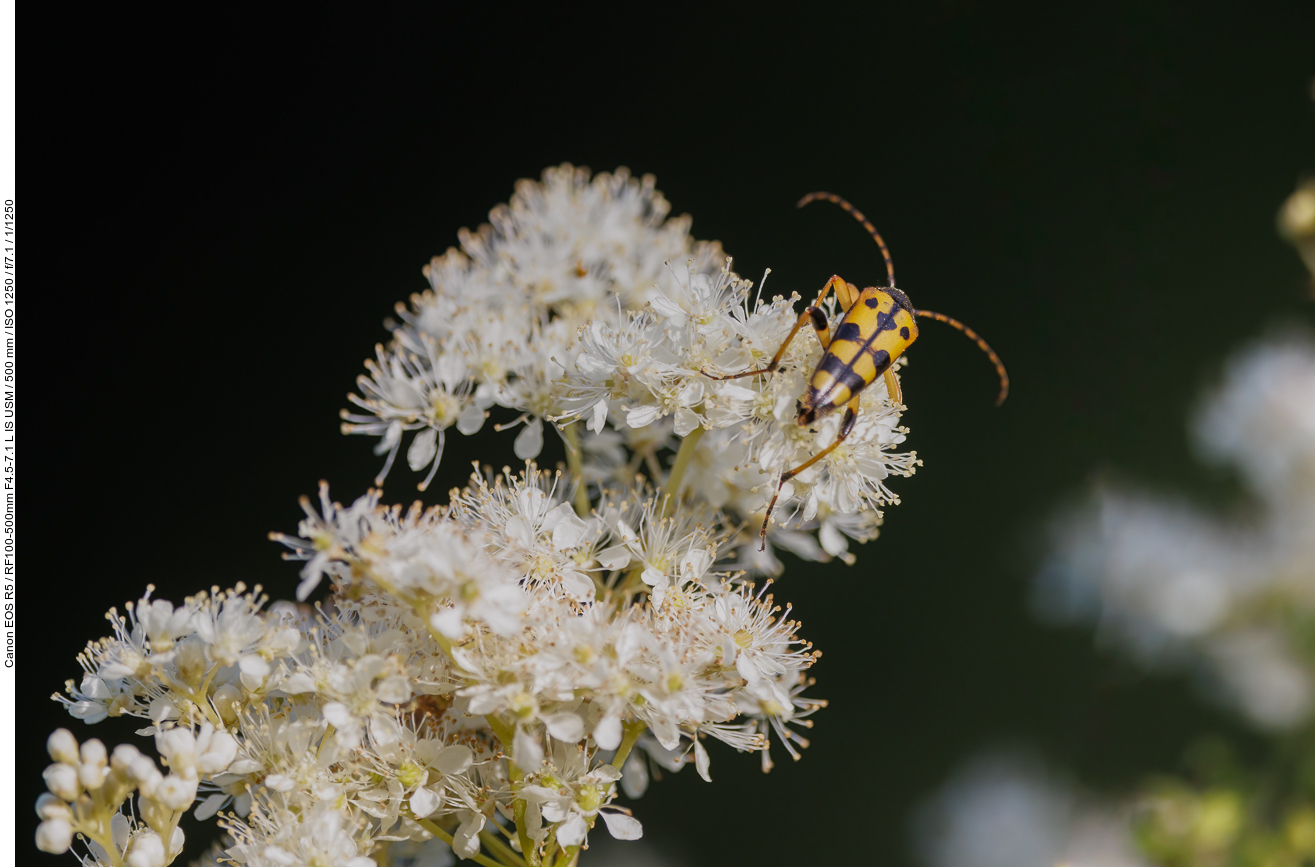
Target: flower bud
{"x":62,"y":779}
{"x":62,"y":746}
{"x":144,"y":771}
{"x":227,"y":700}
{"x":146,"y":850}
{"x":92,"y":776}
{"x":52,"y":807}
{"x":176,"y":792}
{"x":178,"y":746}
{"x":93,"y":753}
{"x":117,"y":787}
{"x":123,"y":757}
{"x":54,"y":836}
{"x":217,"y":753}
{"x":190,"y":662}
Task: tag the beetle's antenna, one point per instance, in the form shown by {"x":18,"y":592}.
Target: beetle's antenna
{"x":857,"y":215}
{"x":981,"y":344}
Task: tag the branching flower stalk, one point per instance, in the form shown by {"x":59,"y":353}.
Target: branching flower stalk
{"x":490,"y":673}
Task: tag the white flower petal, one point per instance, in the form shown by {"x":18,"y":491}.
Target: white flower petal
{"x":529,"y":442}
{"x":448,"y":622}
{"x":701,"y":761}
{"x":687,"y":420}
{"x":526,"y":751}
{"x":642,"y":415}
{"x":453,"y":759}
{"x":572,"y":831}
{"x":471,"y":419}
{"x":423,"y":803}
{"x":422,"y":449}
{"x":607,"y":734}
{"x":616,"y":557}
{"x":565,"y":727}
{"x":210,"y":806}
{"x":623,"y":827}
{"x":599,"y":417}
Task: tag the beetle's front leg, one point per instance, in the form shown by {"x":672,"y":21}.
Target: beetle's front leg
{"x":846,"y":428}
{"x":821,"y":328}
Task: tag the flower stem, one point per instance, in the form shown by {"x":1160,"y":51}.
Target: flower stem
{"x":529,"y":849}
{"x":106,"y":842}
{"x":501,"y":849}
{"x":203,"y":692}
{"x":575,"y":460}
{"x":672,"y":487}
{"x":550,"y":846}
{"x":447,"y":838}
{"x":501,"y":730}
{"x":633,"y":730}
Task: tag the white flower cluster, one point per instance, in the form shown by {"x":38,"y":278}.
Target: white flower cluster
{"x":1006,"y":810}
{"x":88,"y":786}
{"x":482,"y":677}
{"x":581,"y":305}
{"x":482,"y":672}
{"x":501,"y":314}
{"x":1235,"y":596}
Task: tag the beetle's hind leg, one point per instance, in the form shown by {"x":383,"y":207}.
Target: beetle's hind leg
{"x":814,"y":314}
{"x":846,"y":428}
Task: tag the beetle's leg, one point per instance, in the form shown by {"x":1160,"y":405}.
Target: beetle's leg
{"x":846,"y":427}
{"x":846,"y":294}
{"x":892,"y":386}
{"x":820,"y":328}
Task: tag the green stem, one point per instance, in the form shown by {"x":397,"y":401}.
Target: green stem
{"x":528,"y":849}
{"x":633,"y":730}
{"x":501,"y":849}
{"x":575,"y":460}
{"x":447,"y":838}
{"x":550,"y":846}
{"x":568,"y":856}
{"x":505,"y":733}
{"x":324,"y":739}
{"x":107,"y":843}
{"x":203,"y":691}
{"x":501,"y":730}
{"x":672,"y":487}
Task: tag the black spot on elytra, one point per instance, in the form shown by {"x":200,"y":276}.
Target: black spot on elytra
{"x":873,"y":302}
{"x":904,"y":332}
{"x":880,"y":360}
{"x":849,"y":331}
{"x":885,"y":322}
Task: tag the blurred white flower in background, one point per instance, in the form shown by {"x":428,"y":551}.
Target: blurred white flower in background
{"x":1006,"y":810}
{"x":1229,"y":591}
{"x":1296,"y":222}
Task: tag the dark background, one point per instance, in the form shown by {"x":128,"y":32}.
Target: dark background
{"x":217,"y":214}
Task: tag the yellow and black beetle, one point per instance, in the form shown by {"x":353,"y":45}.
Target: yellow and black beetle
{"x":878,"y":325}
